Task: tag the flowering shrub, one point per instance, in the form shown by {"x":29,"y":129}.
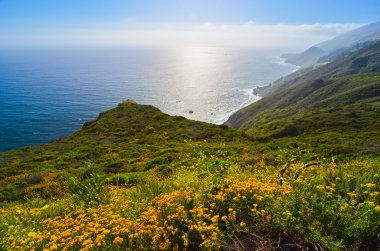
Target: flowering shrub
{"x":212,"y":201}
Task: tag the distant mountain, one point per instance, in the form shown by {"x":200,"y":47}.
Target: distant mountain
{"x":350,"y":39}
{"x":306,"y":58}
{"x":336,"y":54}
{"x":345,"y":64}
{"x":362,"y":34}
{"x":326,"y":105}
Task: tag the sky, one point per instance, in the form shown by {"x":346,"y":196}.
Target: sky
{"x":265,"y":23}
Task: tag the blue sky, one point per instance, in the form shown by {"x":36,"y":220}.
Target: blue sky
{"x":82,"y":21}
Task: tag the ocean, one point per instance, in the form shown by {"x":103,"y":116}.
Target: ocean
{"x":49,"y":92}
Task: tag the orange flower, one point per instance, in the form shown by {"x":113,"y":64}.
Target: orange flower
{"x":118,"y":240}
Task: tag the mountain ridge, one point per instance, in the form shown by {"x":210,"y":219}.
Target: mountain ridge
{"x":369,"y":32}
{"x":343,"y":65}
{"x":342,"y":95}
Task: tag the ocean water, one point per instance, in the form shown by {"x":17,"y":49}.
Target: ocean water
{"x":47,"y":93}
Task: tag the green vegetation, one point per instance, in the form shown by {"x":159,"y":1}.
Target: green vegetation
{"x":128,"y":139}
{"x":182,"y":185}
{"x":212,"y":199}
{"x":329,"y":108}
{"x":301,"y":173}
{"x":344,"y":64}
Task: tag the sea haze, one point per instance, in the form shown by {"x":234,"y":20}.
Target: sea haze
{"x":47,"y":93}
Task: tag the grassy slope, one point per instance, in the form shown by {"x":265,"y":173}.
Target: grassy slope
{"x":139,"y":179}
{"x":317,"y":111}
{"x":129,"y":138}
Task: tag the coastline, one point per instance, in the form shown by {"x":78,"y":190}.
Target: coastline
{"x":57,"y":106}
{"x":258,"y":91}
{"x":252,"y":99}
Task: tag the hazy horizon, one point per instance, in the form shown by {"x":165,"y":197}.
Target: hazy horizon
{"x":209,"y":34}
{"x":242,"y":23}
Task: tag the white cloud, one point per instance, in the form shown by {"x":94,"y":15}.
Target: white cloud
{"x":250,"y":33}
{"x":244,"y":34}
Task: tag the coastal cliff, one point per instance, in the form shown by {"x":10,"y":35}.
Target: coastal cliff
{"x":314,"y":106}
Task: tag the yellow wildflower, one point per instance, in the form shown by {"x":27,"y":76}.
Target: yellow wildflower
{"x":32,"y":234}
{"x":215,"y":218}
{"x":185,"y":240}
{"x":320,"y":187}
{"x":99,"y":239}
{"x":53,"y":247}
{"x":53,"y":237}
{"x":352,"y":194}
{"x":86,"y":242}
{"x":259,"y":198}
{"x":371,"y":203}
{"x":373,"y":194}
{"x":118,"y":240}
{"x":369,"y":185}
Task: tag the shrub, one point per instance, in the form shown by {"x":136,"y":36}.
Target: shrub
{"x":9,"y":192}
{"x":164,"y":159}
{"x":34,"y":178}
{"x":165,"y":170}
{"x":359,"y":63}
{"x":89,"y":191}
{"x":126,"y":179}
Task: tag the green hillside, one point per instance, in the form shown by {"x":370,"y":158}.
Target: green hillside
{"x":128,"y":138}
{"x":362,"y":61}
{"x":138,"y":179}
{"x":335,"y":109}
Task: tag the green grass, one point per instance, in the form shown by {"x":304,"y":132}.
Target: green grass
{"x":213,"y":199}
{"x":162,"y":182}
{"x":345,"y":64}
{"x":124,"y":141}
{"x":338,"y":116}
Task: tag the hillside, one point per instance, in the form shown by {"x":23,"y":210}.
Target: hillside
{"x":365,"y":60}
{"x":364,"y":33}
{"x":334,"y":107}
{"x":346,"y":41}
{"x":306,"y":58}
{"x":128,"y":138}
{"x":339,"y":53}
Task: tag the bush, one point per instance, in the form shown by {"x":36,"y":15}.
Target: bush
{"x":164,"y":159}
{"x":44,"y":190}
{"x":165,"y":170}
{"x":9,"y":192}
{"x":89,"y":191}
{"x":359,"y":63}
{"x":34,"y":178}
{"x":126,"y":179}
